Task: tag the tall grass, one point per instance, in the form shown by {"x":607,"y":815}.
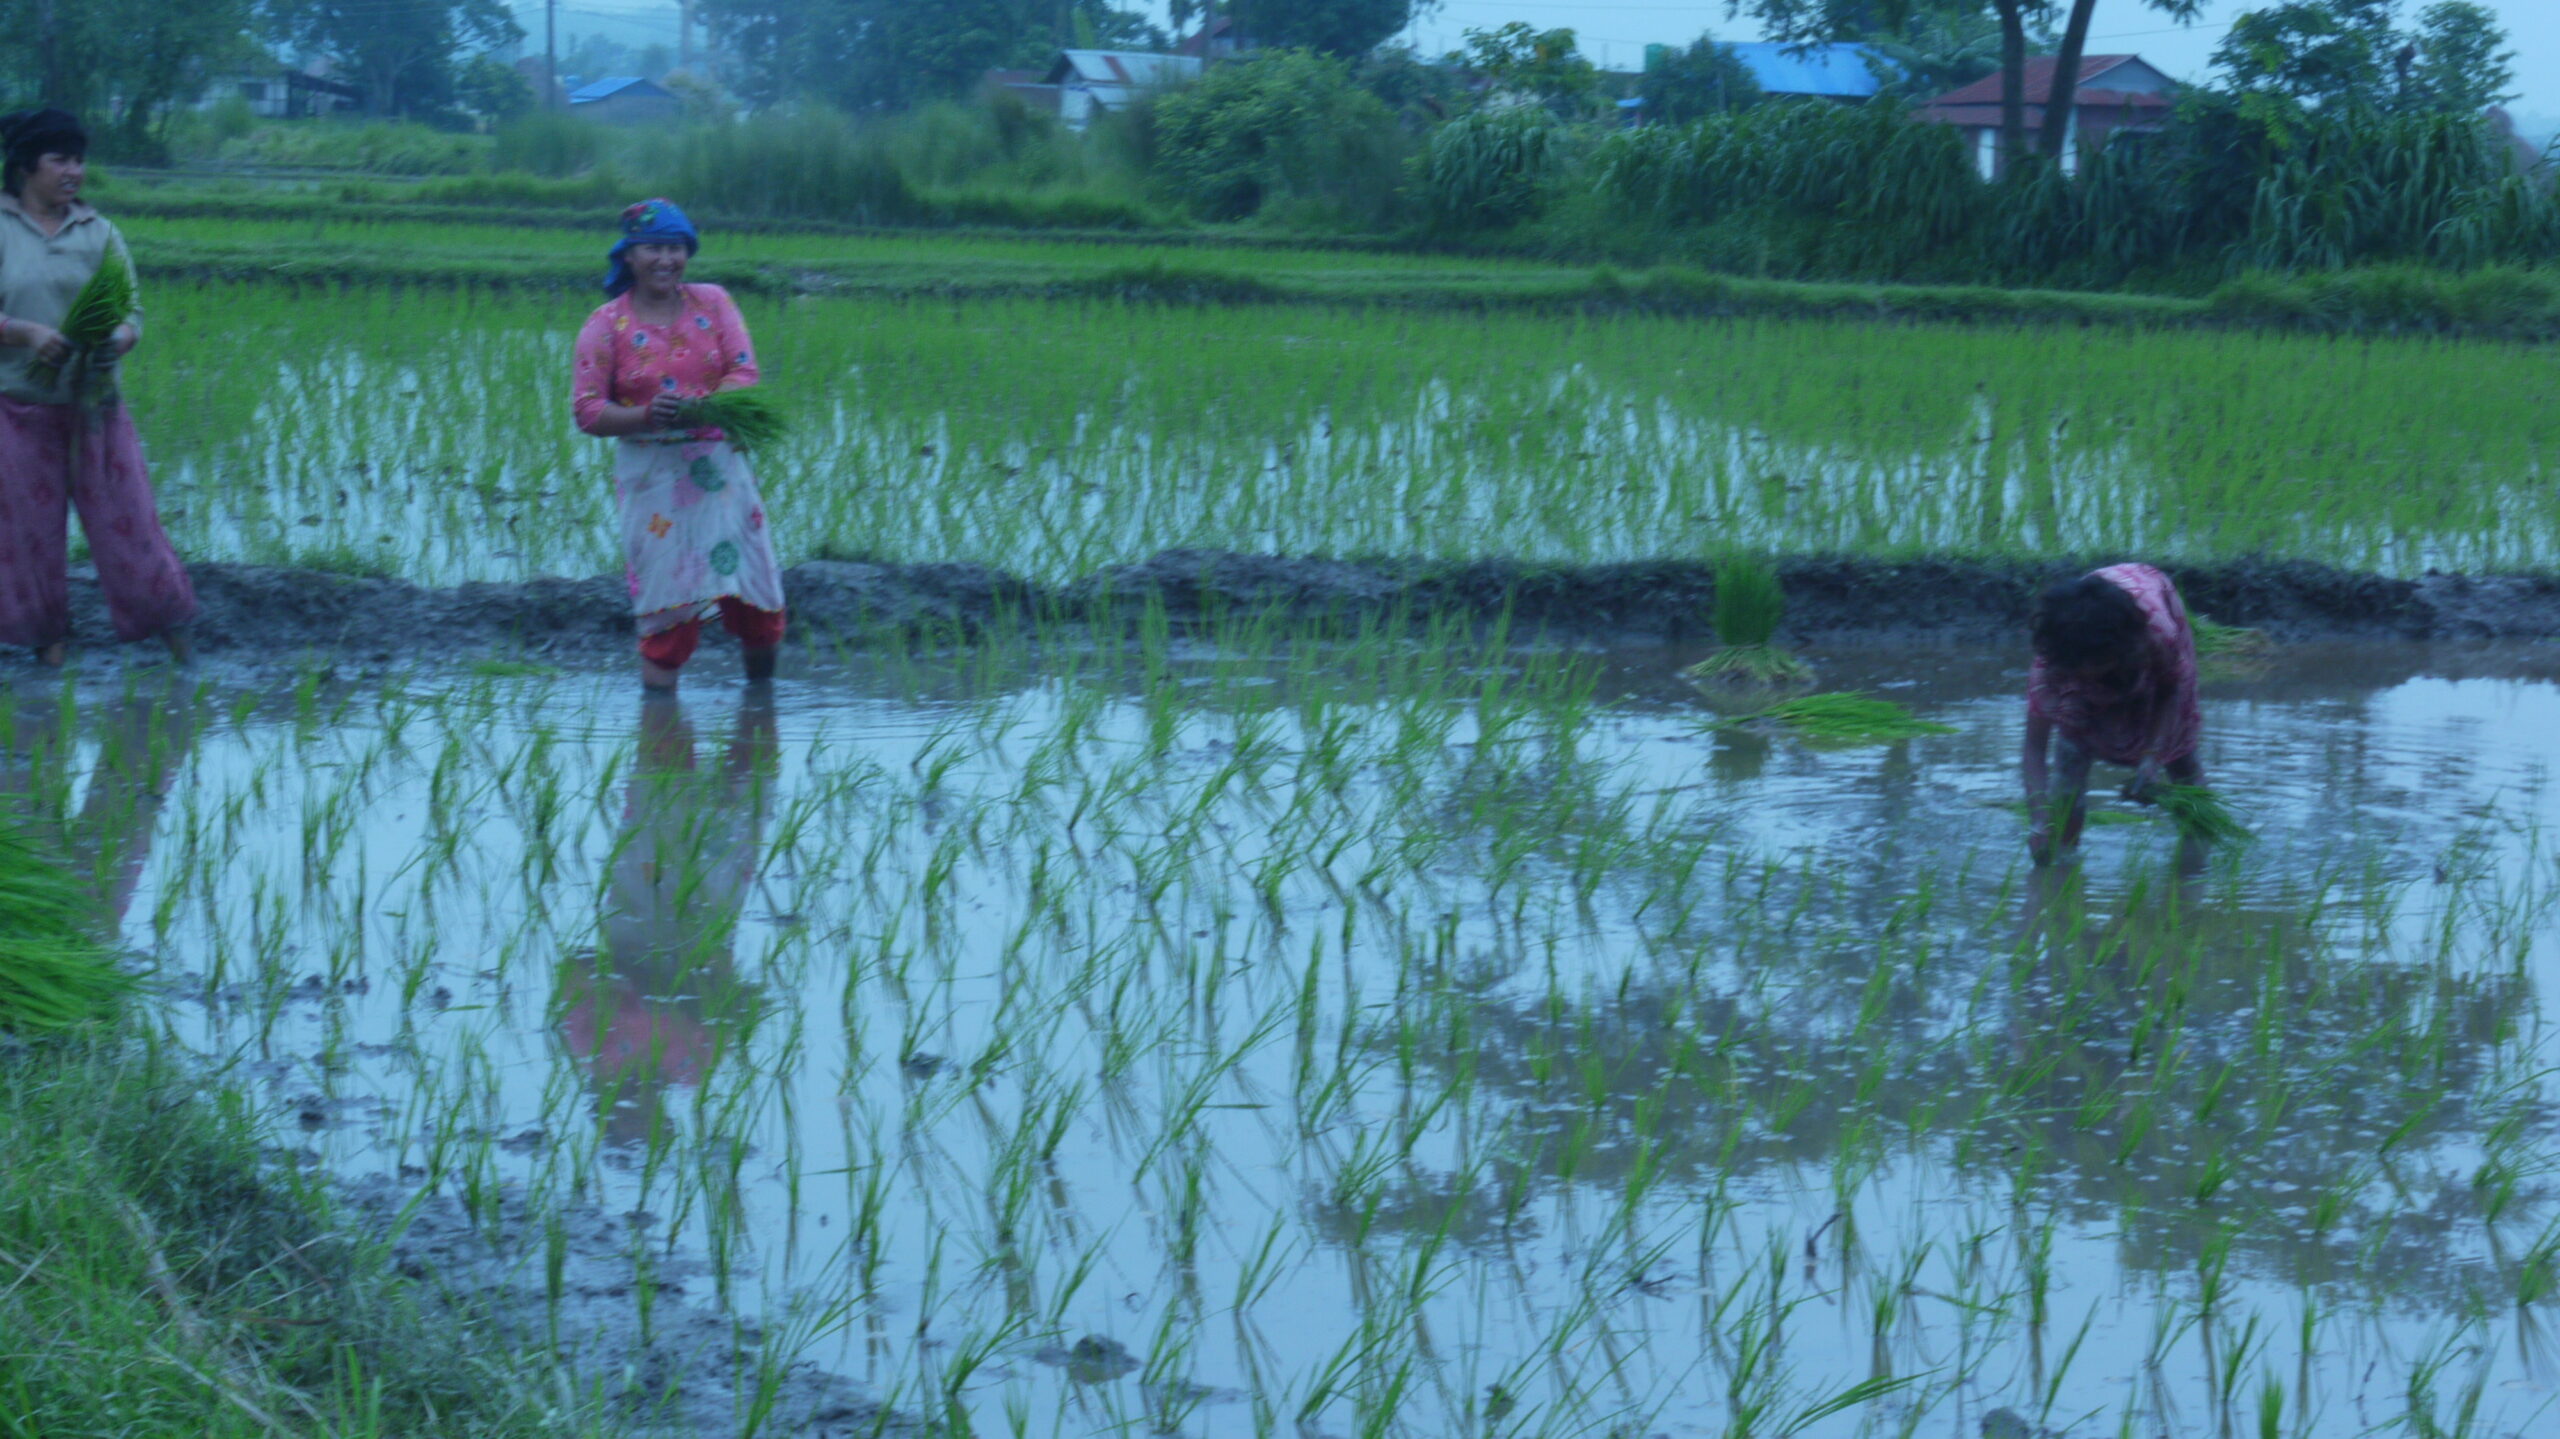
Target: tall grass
{"x":56,"y":971}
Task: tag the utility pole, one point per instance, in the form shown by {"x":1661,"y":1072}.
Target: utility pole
{"x":684,"y":35}
{"x":551,"y":54}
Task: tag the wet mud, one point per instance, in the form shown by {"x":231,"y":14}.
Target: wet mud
{"x":253,"y":608}
{"x":669,"y":1366}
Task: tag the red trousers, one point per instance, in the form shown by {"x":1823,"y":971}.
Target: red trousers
{"x":756,"y":630}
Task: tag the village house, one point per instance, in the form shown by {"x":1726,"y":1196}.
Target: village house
{"x":2118,"y":95}
{"x":1095,"y":82}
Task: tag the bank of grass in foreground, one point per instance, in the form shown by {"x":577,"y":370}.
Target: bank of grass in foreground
{"x":158,"y":1276}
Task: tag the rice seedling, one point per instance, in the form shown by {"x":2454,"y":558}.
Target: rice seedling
{"x":1749,"y":604}
{"x":748,"y":416}
{"x":55,"y":973}
{"x":2199,"y":813}
{"x":105,"y":301}
{"x":1843,"y":719}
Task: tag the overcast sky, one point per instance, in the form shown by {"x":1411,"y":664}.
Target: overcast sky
{"x":1615,"y":32}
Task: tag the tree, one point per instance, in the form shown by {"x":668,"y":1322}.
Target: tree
{"x":1348,"y":28}
{"x":1705,"y":78}
{"x":1809,"y":22}
{"x":2311,"y":51}
{"x":2463,"y":66}
{"x":1940,"y":48}
{"x":1284,"y":125}
{"x":892,"y":54}
{"x":2066,"y":65}
{"x":119,"y":64}
{"x":492,"y":89}
{"x":1546,"y":65}
{"x":405,"y":53}
{"x":2349,"y":53}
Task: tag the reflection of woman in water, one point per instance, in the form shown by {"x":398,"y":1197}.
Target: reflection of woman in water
{"x":2115,"y":680}
{"x":142,"y":746}
{"x":662,"y":998}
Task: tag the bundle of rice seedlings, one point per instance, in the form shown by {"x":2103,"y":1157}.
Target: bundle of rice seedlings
{"x":1844,"y":719}
{"x":101,"y":305}
{"x":1749,"y":601}
{"x":1749,"y":604}
{"x":2199,"y":813}
{"x":749,"y":417}
{"x":54,"y":971}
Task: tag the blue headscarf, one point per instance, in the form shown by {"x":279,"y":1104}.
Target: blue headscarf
{"x":651,"y":222}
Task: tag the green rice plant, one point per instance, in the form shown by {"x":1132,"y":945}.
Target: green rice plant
{"x":748,"y":416}
{"x":1749,"y":603}
{"x":2199,"y":813}
{"x":102,"y":304}
{"x":55,"y":974}
{"x":1843,"y":719}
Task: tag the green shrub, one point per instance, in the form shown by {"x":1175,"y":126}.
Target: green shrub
{"x":804,"y":161}
{"x":387,"y":147}
{"x":1286,"y":132}
{"x":1489,"y":170}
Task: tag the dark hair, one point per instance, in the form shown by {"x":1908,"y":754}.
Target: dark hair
{"x":27,"y":136}
{"x":2086,"y":623}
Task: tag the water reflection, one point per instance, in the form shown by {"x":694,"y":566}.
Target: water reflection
{"x":658,"y":1003}
{"x":144,"y":738}
{"x":2163,"y":1054}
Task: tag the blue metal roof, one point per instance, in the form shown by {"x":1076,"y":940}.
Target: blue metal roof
{"x":1836,"y":72}
{"x":613,"y":85}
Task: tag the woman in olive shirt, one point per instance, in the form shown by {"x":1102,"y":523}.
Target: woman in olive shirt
{"x":60,"y":449}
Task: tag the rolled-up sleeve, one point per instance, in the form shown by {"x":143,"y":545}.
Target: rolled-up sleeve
{"x":592,"y":389}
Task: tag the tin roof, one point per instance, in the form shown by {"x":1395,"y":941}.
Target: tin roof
{"x":1836,"y":72}
{"x":1121,"y":69}
{"x":616,"y":85}
{"x":2138,"y":78}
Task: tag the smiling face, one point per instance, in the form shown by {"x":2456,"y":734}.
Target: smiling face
{"x":54,"y":180}
{"x":658,"y":269}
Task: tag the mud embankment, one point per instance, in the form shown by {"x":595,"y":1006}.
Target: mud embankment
{"x":251,"y":608}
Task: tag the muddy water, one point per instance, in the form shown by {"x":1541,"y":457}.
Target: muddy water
{"x":1232,"y":1045}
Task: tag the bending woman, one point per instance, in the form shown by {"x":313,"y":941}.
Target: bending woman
{"x":2115,"y":676}
{"x":65,"y":438}
{"x":694,"y":539}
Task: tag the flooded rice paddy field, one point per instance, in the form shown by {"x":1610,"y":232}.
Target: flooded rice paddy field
{"x":427,"y":436}
{"x":1412,"y":1037}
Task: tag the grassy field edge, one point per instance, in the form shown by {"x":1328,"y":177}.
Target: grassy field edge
{"x":161,"y":1273}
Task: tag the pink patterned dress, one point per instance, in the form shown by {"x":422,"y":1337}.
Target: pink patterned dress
{"x":2116,"y":722}
{"x":693,"y":523}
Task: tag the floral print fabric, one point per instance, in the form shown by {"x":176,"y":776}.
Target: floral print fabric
{"x":693,"y":524}
{"x":146,"y":588}
{"x":2115,"y":723}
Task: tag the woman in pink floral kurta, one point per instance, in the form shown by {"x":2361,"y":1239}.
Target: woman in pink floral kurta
{"x":2114,"y":680}
{"x":694,"y":536}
